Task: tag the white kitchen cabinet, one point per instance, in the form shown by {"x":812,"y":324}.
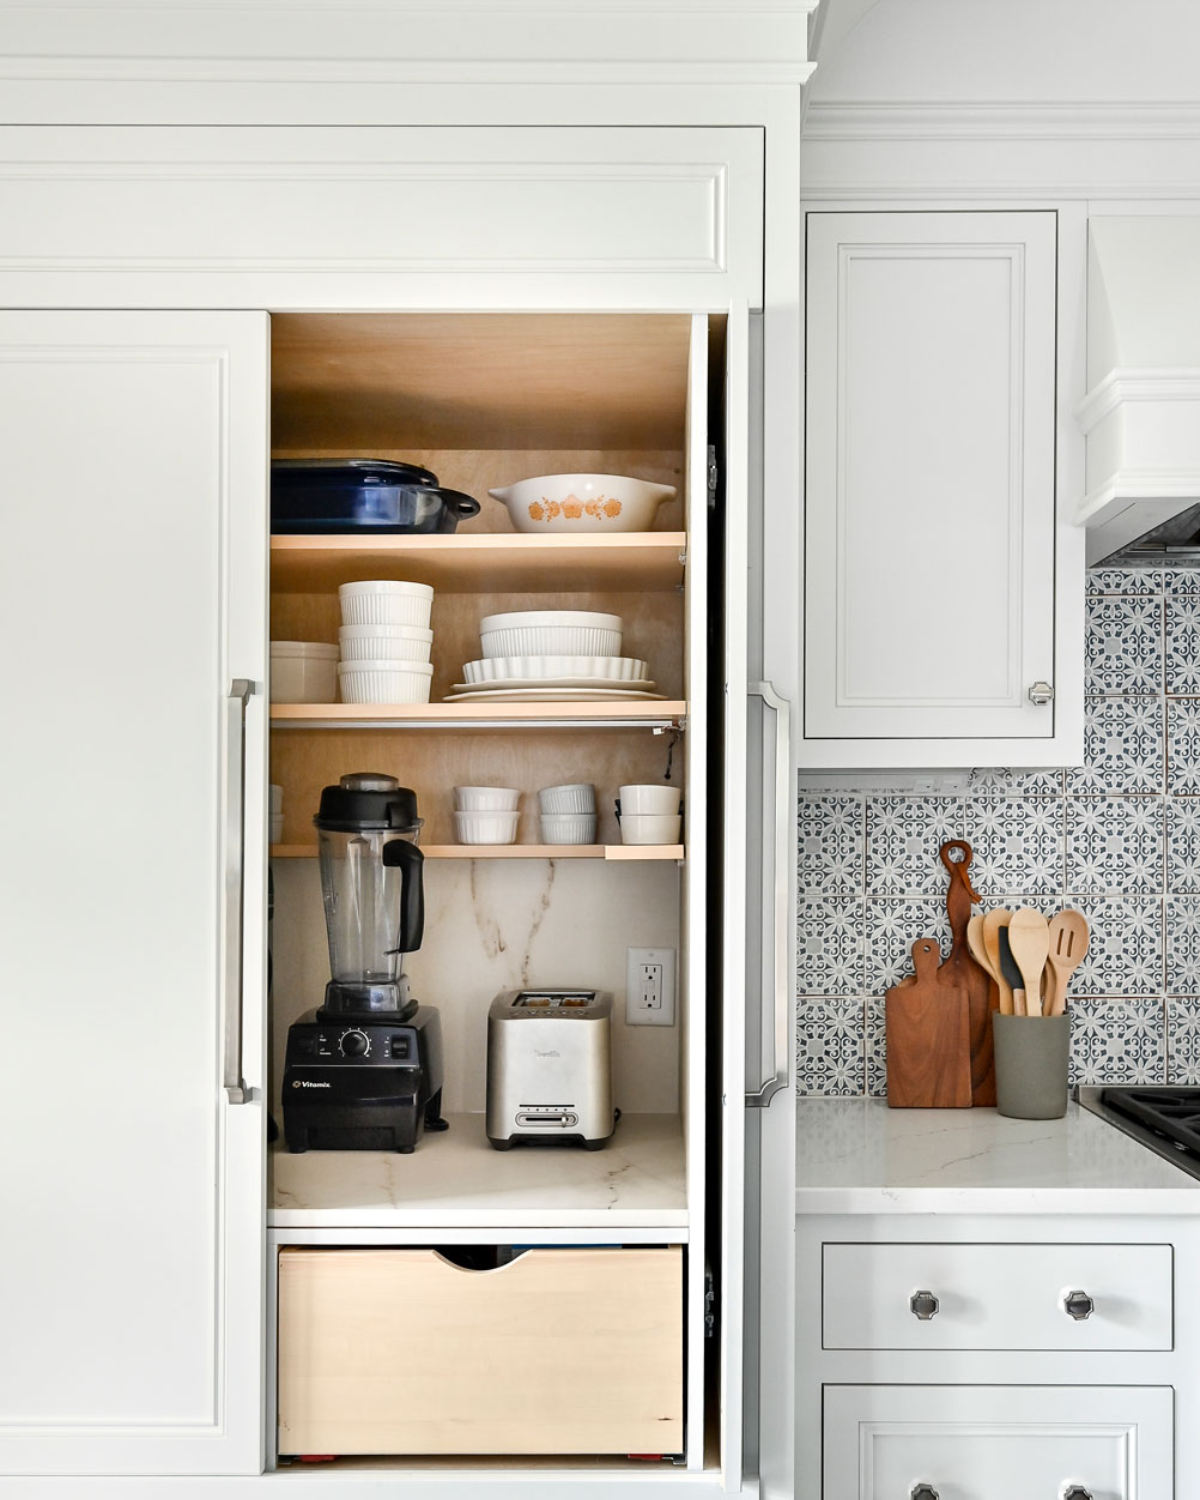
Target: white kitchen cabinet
{"x":890,"y":1442}
{"x":132,"y":594}
{"x":939,"y":584}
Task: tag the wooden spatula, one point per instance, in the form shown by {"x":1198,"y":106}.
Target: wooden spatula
{"x":1068,"y":948}
{"x":992,"y":923}
{"x":1029,"y":939}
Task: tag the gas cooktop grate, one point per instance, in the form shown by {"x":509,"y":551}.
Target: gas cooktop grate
{"x":1173,"y":1114}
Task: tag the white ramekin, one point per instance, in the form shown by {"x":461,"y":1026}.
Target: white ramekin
{"x":641,"y":828}
{"x":486,"y":827}
{"x":385,"y":643}
{"x":382,"y":601}
{"x":303,"y":672}
{"x":385,"y":681}
{"x":659,"y":800}
{"x":486,"y":799}
{"x":568,"y":828}
{"x":276,"y":834}
{"x":578,"y":797}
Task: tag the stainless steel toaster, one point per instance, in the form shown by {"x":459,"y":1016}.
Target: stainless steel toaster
{"x":549,"y":1067}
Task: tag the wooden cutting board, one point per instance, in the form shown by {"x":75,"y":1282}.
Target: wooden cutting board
{"x":960,"y":970}
{"x":928,"y":1037}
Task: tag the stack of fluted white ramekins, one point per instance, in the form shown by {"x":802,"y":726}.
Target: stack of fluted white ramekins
{"x":385,"y":642}
{"x":568,"y":813}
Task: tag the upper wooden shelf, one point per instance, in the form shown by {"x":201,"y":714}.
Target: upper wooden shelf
{"x":627,"y":562}
{"x":615,"y":712}
{"x":616,"y":852}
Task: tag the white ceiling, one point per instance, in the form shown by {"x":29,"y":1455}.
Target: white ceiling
{"x":1007,"y":51}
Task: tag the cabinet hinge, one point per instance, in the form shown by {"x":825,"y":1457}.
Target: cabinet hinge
{"x":710,"y":1306}
{"x":714,"y":475}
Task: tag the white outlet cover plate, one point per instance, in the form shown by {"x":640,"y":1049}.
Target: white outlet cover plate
{"x":636,"y":1015}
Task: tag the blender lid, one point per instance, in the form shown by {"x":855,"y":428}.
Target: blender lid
{"x":368,"y":800}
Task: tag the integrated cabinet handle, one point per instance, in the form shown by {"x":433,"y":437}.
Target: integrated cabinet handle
{"x":235,"y":838}
{"x":785,"y":838}
{"x":923,"y":1305}
{"x":1077,"y":1492}
{"x":923,"y":1492}
{"x":1079,"y":1305}
{"x":1041,"y":693}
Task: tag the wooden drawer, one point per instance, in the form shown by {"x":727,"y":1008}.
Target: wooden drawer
{"x":997,"y":1296}
{"x":884,"y":1442}
{"x":560,"y":1351}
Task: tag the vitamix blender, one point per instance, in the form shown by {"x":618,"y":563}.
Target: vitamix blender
{"x":364,"y":1073}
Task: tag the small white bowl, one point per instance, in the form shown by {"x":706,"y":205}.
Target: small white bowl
{"x":568,"y":828}
{"x":660,"y":800}
{"x":486,"y":799}
{"x":583,"y":502}
{"x":643,"y":828}
{"x":384,"y":601}
{"x":578,"y":797}
{"x":385,"y":681}
{"x":486,"y":827}
{"x":385,"y":643}
{"x":276,"y":798}
{"x":303,"y":672}
{"x":276,"y":834}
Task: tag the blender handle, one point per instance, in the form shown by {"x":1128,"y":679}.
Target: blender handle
{"x":400,"y":854}
{"x":235,"y":840}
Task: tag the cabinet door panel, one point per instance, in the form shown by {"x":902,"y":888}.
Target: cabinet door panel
{"x":131,"y":591}
{"x":998,"y":1442}
{"x":930,"y":489}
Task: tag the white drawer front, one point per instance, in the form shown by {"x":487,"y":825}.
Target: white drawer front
{"x":997,"y":1296}
{"x":998,"y":1442}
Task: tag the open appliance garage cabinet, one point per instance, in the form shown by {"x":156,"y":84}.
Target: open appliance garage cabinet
{"x":483,"y":400}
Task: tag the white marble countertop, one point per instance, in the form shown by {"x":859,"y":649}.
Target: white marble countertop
{"x":457,"y":1180}
{"x":857,"y":1156}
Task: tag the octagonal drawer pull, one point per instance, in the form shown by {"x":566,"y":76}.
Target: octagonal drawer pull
{"x":924,"y":1305}
{"x":927,"y":1492}
{"x":1078,"y":1305}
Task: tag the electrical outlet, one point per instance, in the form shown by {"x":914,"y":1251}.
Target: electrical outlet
{"x":650,"y":987}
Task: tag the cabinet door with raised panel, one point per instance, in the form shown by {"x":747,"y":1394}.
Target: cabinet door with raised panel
{"x":133,"y":468}
{"x":995,"y":1442}
{"x":930,"y":526}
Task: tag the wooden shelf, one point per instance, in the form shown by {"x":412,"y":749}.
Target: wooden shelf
{"x":617,"y":852}
{"x":617,"y":713}
{"x":457,"y":1180}
{"x":628,"y":562}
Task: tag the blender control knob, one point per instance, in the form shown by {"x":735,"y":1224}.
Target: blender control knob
{"x":354,"y":1043}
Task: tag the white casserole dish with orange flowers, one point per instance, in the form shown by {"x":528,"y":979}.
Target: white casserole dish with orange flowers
{"x":583,"y":502}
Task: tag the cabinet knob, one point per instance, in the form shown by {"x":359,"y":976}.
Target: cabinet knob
{"x":1076,"y":1492}
{"x":1041,"y":693}
{"x":927,"y":1492}
{"x":1079,"y":1305}
{"x":923,"y":1305}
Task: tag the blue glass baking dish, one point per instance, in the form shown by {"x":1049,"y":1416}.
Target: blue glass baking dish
{"x":340,"y":496}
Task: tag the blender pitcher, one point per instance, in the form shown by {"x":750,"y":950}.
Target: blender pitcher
{"x":371,"y":882}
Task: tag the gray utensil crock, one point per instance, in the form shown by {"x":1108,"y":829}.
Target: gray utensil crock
{"x":1031,"y":1065}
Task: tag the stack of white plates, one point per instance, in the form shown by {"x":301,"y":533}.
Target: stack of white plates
{"x":554,"y":655}
{"x":385,"y":642}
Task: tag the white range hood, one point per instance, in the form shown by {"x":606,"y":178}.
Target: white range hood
{"x":1142,"y":411}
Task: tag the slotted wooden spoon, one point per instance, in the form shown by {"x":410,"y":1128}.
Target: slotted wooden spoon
{"x":1068,"y":948}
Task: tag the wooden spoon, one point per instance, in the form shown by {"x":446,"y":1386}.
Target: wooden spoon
{"x":980,"y":955}
{"x":992,"y":923}
{"x":1068,"y":948}
{"x":1029,"y":938}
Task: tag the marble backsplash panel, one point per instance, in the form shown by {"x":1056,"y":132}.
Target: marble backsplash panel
{"x":1118,"y":839}
{"x":493,"y":925}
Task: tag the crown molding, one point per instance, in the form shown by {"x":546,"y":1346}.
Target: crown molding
{"x":1122,"y":384}
{"x":1002,"y":120}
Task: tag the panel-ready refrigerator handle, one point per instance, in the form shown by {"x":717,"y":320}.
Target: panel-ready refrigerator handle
{"x":235,"y":840}
{"x":784,"y":839}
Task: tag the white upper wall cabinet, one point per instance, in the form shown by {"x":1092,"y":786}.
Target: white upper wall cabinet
{"x":930,"y":514}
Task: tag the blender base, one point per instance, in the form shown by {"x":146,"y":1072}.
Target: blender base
{"x":363,"y":1083}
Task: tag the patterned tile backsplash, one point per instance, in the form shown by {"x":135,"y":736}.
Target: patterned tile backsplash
{"x":1118,"y":839}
